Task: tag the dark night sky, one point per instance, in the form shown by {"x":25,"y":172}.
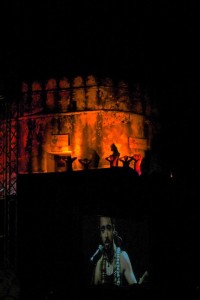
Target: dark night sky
{"x":155,"y":43}
{"x":133,"y":38}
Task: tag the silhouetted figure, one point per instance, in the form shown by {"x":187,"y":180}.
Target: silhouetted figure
{"x":60,"y":163}
{"x":114,"y":157}
{"x":85,"y":162}
{"x":95,"y":159}
{"x":126,"y":160}
{"x":69,"y":160}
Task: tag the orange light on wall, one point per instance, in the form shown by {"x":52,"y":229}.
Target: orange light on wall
{"x":88,"y":117}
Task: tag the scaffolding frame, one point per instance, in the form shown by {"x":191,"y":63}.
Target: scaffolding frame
{"x":8,"y":183}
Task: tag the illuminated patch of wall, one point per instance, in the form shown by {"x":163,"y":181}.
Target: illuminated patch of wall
{"x":92,"y":113}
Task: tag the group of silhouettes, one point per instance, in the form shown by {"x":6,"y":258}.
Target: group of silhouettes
{"x":113,"y":159}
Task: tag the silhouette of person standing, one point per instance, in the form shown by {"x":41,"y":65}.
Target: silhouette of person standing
{"x":114,"y":157}
{"x":94,"y":159}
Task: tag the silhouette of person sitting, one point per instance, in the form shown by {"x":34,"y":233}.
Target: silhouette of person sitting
{"x":85,"y":162}
{"x":126,"y":160}
{"x":114,"y":157}
{"x":69,"y":160}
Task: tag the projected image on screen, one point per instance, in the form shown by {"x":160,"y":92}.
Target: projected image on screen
{"x":116,"y":250}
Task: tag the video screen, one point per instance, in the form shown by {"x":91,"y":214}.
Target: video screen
{"x":116,"y":251}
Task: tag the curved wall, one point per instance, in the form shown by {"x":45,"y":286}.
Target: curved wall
{"x":83,"y":117}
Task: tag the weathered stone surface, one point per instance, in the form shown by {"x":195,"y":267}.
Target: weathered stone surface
{"x":92,"y":113}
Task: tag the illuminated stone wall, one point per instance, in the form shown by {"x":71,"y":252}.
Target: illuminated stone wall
{"x":91,"y":113}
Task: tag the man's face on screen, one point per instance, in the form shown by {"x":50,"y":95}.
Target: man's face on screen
{"x":106,"y":232}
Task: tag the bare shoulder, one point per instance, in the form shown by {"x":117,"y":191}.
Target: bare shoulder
{"x":124,"y":255}
{"x":124,"y":258}
{"x":126,"y":268}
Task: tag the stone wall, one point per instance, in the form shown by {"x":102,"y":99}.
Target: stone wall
{"x":90,"y":113}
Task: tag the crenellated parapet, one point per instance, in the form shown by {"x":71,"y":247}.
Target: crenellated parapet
{"x":81,"y":94}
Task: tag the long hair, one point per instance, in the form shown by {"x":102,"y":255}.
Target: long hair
{"x":114,"y":149}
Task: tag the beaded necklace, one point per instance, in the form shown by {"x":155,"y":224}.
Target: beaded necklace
{"x":116,"y":267}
